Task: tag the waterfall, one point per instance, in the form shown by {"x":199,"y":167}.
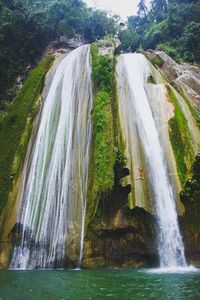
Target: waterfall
{"x":136,"y":71}
{"x":55,"y":173}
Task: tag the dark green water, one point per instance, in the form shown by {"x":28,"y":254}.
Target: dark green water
{"x":100,"y":284}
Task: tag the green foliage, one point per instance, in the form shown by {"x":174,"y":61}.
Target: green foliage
{"x":121,"y":159}
{"x":102,"y":66}
{"x":190,"y":40}
{"x":159,"y":10}
{"x":142,"y":9}
{"x":104,"y":150}
{"x":191,"y":189}
{"x":156,"y":34}
{"x":27,"y":27}
{"x":129,"y":40}
{"x":180,"y":138}
{"x":172,"y":26}
{"x":169,"y":50}
{"x":16,"y":127}
{"x":103,"y":156}
{"x":101,"y":70}
{"x":97,"y":25}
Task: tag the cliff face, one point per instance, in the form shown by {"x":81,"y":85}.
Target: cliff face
{"x":123,"y":231}
{"x":184,"y":76}
{"x":120,"y":223}
{"x":119,"y":236}
{"x":15,"y":132}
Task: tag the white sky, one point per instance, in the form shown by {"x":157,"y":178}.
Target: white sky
{"x":123,"y":8}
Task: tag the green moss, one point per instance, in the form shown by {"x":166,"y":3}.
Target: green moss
{"x":193,"y":111}
{"x":157,"y":61}
{"x":180,"y":137}
{"x":107,"y":148}
{"x":101,"y":70}
{"x":16,"y":127}
{"x":101,"y":172}
{"x":105,"y":156}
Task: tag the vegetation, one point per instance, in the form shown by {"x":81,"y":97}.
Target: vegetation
{"x":157,"y":61}
{"x":28,"y":26}
{"x":172,"y":26}
{"x":193,"y":111}
{"x":191,"y":189}
{"x":101,"y":175}
{"x":107,"y":153}
{"x":16,"y":127}
{"x":180,"y":138}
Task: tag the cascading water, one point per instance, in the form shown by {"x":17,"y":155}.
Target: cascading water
{"x":136,"y":71}
{"x":55,"y":173}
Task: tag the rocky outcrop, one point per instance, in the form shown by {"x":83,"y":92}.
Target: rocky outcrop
{"x":184,"y":82}
{"x":184,"y":76}
{"x":163,"y":111}
{"x":121,"y":238}
{"x":65,"y":44}
{"x":190,"y":227}
{"x":117,"y":235}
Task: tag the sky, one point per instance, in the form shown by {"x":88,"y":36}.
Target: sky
{"x":124,"y":8}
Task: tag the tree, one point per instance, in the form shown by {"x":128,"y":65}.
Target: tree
{"x":190,"y":42}
{"x":159,"y":10}
{"x":28,"y":26}
{"x":142,"y":9}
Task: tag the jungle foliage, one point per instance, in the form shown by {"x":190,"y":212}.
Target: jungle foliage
{"x":101,"y":171}
{"x":28,"y":26}
{"x":15,"y":128}
{"x":172,"y":26}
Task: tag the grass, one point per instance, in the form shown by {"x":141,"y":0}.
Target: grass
{"x":180,"y":138}
{"x":16,"y":128}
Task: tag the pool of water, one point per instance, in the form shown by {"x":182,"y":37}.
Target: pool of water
{"x":98,"y":284}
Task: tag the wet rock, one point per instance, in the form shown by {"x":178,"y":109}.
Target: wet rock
{"x":190,"y":228}
{"x":125,"y":239}
{"x":108,"y":46}
{"x":185,"y":77}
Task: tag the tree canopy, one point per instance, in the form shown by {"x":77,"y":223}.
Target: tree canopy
{"x":172,"y":26}
{"x":28,"y":26}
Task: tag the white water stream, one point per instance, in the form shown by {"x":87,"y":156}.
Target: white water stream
{"x":136,"y":71}
{"x":53,"y":196}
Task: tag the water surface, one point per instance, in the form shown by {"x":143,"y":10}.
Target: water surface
{"x":98,"y":285}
